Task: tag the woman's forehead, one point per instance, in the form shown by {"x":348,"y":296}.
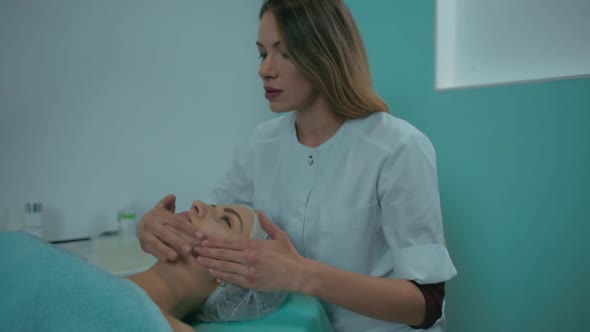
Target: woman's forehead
{"x":268,"y":29}
{"x":244,"y":211}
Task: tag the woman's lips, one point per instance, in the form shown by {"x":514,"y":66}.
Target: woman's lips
{"x":272,"y":93}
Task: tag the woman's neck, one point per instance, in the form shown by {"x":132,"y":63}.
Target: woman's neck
{"x":317,"y":124}
{"x":178,"y":288}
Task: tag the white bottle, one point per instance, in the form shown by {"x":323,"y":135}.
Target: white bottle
{"x":127,"y":223}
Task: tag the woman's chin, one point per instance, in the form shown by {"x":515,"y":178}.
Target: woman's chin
{"x":278,"y":108}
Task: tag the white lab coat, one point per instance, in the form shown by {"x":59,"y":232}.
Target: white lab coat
{"x":365,"y":201}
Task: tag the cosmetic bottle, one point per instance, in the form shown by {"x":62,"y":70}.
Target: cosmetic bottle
{"x":34,"y":219}
{"x":127,"y":220}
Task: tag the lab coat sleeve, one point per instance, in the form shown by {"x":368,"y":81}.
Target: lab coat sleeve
{"x":235,"y":186}
{"x":411,"y":214}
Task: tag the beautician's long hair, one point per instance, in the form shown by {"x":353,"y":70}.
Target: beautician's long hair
{"x":325,"y":44}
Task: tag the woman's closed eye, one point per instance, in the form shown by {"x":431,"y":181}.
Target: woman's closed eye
{"x":262,"y":56}
{"x":227,"y":220}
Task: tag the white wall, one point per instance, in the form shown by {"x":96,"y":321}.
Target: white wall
{"x":483,"y":42}
{"x":103,"y":102}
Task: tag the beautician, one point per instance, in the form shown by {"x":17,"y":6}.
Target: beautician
{"x":349,"y":192}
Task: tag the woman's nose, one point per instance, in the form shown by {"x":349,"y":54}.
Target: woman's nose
{"x":200,"y":208}
{"x":267,"y":69}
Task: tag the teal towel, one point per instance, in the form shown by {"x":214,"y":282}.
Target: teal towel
{"x":44,"y":288}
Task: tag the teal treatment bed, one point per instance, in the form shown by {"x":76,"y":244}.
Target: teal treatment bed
{"x":299,"y":313}
{"x":44,"y":288}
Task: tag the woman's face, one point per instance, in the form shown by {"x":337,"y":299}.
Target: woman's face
{"x":221,"y":221}
{"x":286,"y":88}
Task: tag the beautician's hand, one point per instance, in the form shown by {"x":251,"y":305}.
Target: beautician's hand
{"x":266,"y":265}
{"x":165,"y":234}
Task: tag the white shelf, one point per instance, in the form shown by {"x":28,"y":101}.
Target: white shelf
{"x":482,"y":42}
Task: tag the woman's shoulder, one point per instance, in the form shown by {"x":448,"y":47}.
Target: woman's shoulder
{"x":266,"y":134}
{"x":388,"y":131}
{"x":272,"y":129}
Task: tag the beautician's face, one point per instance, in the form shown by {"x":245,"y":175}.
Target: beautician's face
{"x":222,"y":221}
{"x":285,"y":86}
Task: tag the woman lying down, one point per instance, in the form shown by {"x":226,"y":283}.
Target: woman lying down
{"x":48,"y":289}
{"x":183,"y":288}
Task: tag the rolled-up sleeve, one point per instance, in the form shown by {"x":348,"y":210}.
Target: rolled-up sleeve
{"x":411,"y":213}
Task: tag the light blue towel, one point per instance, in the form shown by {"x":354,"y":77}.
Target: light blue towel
{"x":44,"y":288}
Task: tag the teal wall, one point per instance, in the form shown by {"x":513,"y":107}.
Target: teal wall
{"x":514,"y":170}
